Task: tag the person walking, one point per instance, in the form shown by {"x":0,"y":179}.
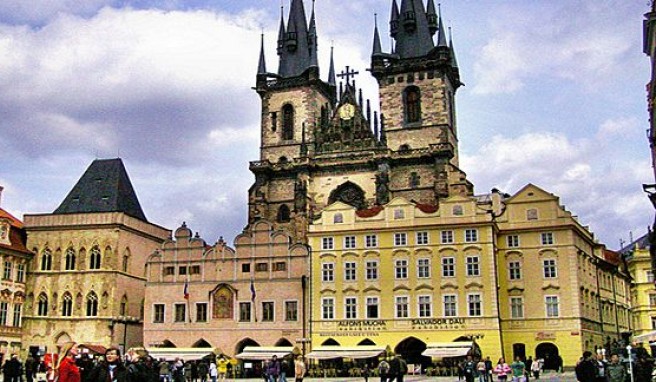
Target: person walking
{"x":213,"y":371}
{"x":536,"y":368}
{"x":203,"y":370}
{"x":502,"y":370}
{"x":111,"y":369}
{"x":222,"y":367}
{"x":30,"y":368}
{"x":469,"y":369}
{"x":586,"y":368}
{"x":482,"y":371}
{"x":164,"y":371}
{"x":518,"y":368}
{"x":299,"y":369}
{"x":365,"y":372}
{"x":273,"y":369}
{"x":12,"y":369}
{"x":383,"y":370}
{"x":65,"y":368}
{"x":615,"y":370}
{"x":488,"y":369}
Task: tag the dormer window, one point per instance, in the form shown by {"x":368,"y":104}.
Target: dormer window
{"x":4,"y":233}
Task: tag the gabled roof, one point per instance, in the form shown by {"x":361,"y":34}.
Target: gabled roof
{"x":17,"y":236}
{"x":104,"y":187}
{"x":531,"y":193}
{"x":14,"y":221}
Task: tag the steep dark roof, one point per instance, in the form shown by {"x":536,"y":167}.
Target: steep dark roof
{"x":104,"y":187}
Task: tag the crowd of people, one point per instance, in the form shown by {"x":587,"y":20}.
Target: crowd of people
{"x":596,"y":368}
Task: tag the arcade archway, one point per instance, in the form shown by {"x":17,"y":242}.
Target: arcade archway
{"x":410,"y":349}
{"x":549,"y":352}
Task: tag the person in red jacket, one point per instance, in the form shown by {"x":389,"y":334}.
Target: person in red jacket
{"x":66,"y":368}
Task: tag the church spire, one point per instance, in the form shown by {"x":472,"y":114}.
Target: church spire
{"x":454,"y":61}
{"x":441,"y":33}
{"x":281,"y":32}
{"x":377,"y":49}
{"x":413,"y":36}
{"x":394,"y":19}
{"x":331,"y":71}
{"x":432,"y":17}
{"x":261,"y":67}
{"x":312,"y":39}
{"x":297,"y":45}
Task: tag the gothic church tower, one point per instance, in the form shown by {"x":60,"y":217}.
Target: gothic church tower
{"x":320,"y":145}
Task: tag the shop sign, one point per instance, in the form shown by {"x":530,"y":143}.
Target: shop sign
{"x":438,"y":323}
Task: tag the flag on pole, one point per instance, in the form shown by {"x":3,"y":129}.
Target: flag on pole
{"x":252,"y":290}
{"x":186,"y":290}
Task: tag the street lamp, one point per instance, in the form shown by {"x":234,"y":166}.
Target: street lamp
{"x":628,"y":350}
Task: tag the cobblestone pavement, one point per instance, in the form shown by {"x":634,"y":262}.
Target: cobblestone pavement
{"x":548,"y":377}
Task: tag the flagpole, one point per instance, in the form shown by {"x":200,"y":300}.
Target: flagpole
{"x":253,"y":299}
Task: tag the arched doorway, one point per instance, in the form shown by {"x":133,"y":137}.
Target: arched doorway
{"x":201,"y":343}
{"x":167,"y":344}
{"x":330,"y":342}
{"x":283,"y":342}
{"x":548,"y":352}
{"x":410,"y":349}
{"x":256,"y":368}
{"x":365,"y":342}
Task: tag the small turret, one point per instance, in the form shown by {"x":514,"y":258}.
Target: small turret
{"x":394,"y":19}
{"x":408,"y":16}
{"x":441,"y":34}
{"x":414,"y":37}
{"x":377,"y":48}
{"x":281,"y":32}
{"x":261,"y":67}
{"x":332,"y":81}
{"x":431,"y":15}
{"x":312,"y":40}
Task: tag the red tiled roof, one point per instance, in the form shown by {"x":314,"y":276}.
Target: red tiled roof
{"x":14,"y":221}
{"x":370,"y":212}
{"x":426,"y":208}
{"x":612,"y":257}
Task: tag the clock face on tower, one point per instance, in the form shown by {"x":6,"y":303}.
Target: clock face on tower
{"x":346,"y":111}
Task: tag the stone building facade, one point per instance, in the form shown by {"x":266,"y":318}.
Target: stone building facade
{"x":86,"y":283}
{"x":215,"y":296}
{"x":15,"y":259}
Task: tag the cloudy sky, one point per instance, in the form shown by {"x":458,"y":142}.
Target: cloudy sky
{"x":554,"y":95}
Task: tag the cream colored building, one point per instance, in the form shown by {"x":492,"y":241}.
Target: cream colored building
{"x":643,"y":292}
{"x":252,"y":295}
{"x":14,"y":259}
{"x":87,"y":281}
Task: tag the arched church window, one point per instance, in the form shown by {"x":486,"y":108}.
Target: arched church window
{"x":283,"y":214}
{"x":42,"y":305}
{"x":67,"y":305}
{"x":412,"y":103}
{"x":70,"y":259}
{"x":288,"y":122}
{"x":46,"y":260}
{"x":94,"y":258}
{"x":92,"y":305}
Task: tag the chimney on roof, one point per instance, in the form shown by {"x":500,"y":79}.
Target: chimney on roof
{"x":1,"y":188}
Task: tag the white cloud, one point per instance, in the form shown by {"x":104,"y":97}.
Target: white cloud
{"x":605,"y":194}
{"x":580,"y":40}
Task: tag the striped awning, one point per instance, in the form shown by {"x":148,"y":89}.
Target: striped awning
{"x":261,"y":353}
{"x":353,"y":352}
{"x":447,"y":349}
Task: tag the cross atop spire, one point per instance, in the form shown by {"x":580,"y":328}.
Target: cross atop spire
{"x":347,"y":74}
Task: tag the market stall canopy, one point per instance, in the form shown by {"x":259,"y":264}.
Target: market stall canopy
{"x":261,"y":353}
{"x":354,"y":352}
{"x":647,"y":337}
{"x":187,"y":354}
{"x":447,"y":349}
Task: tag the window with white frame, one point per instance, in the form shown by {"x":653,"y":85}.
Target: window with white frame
{"x":350,"y":308}
{"x":422,"y":238}
{"x":450,"y":305}
{"x":400,"y":239}
{"x":549,"y":268}
{"x":401,"y":307}
{"x":448,"y":267}
{"x":399,"y":214}
{"x":371,"y":271}
{"x":291,"y":310}
{"x":471,"y":235}
{"x":401,"y":269}
{"x":473,"y":266}
{"x":244,"y":312}
{"x":328,"y":272}
{"x":474,"y":305}
{"x":7,"y":270}
{"x":17,"y":315}
{"x":512,"y":241}
{"x":349,"y":242}
{"x":20,"y":273}
{"x":552,"y":306}
{"x":425,"y":306}
{"x":446,"y":237}
{"x":328,"y":308}
{"x":547,"y":238}
{"x":372,"y":307}
{"x":201,"y":312}
{"x":371,"y":241}
{"x":3,"y":313}
{"x":180,"y":312}
{"x":516,"y":307}
{"x":327,"y":243}
{"x":158,"y":313}
{"x":349,"y":271}
{"x":649,"y":275}
{"x":268,"y":311}
{"x":423,"y":268}
{"x":515,"y":270}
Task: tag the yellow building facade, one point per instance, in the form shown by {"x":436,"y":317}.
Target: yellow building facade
{"x":517,"y":275}
{"x":643,"y":292}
